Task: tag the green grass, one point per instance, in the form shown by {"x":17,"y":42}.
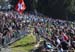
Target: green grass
{"x":24,"y":45}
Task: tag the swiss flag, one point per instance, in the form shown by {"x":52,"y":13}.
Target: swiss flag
{"x":21,"y":6}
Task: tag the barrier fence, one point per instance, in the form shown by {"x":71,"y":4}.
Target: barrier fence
{"x":63,"y":51}
{"x":17,"y":34}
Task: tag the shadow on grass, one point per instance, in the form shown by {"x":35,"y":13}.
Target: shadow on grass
{"x":36,"y":50}
{"x":23,"y":45}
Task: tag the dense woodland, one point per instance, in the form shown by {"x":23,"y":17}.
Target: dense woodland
{"x":51,"y":7}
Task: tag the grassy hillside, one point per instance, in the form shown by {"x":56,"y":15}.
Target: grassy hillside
{"x":24,"y":45}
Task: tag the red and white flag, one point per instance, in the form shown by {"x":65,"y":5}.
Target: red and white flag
{"x":65,"y":37}
{"x":21,"y":6}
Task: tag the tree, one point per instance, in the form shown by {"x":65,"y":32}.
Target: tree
{"x":71,"y":6}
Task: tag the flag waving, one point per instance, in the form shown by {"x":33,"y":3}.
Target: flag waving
{"x":21,"y":6}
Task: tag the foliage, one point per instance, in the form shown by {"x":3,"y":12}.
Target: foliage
{"x":70,"y":6}
{"x":58,"y":7}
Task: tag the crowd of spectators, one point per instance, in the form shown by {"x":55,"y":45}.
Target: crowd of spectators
{"x":12,"y":26}
{"x":58,"y":34}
